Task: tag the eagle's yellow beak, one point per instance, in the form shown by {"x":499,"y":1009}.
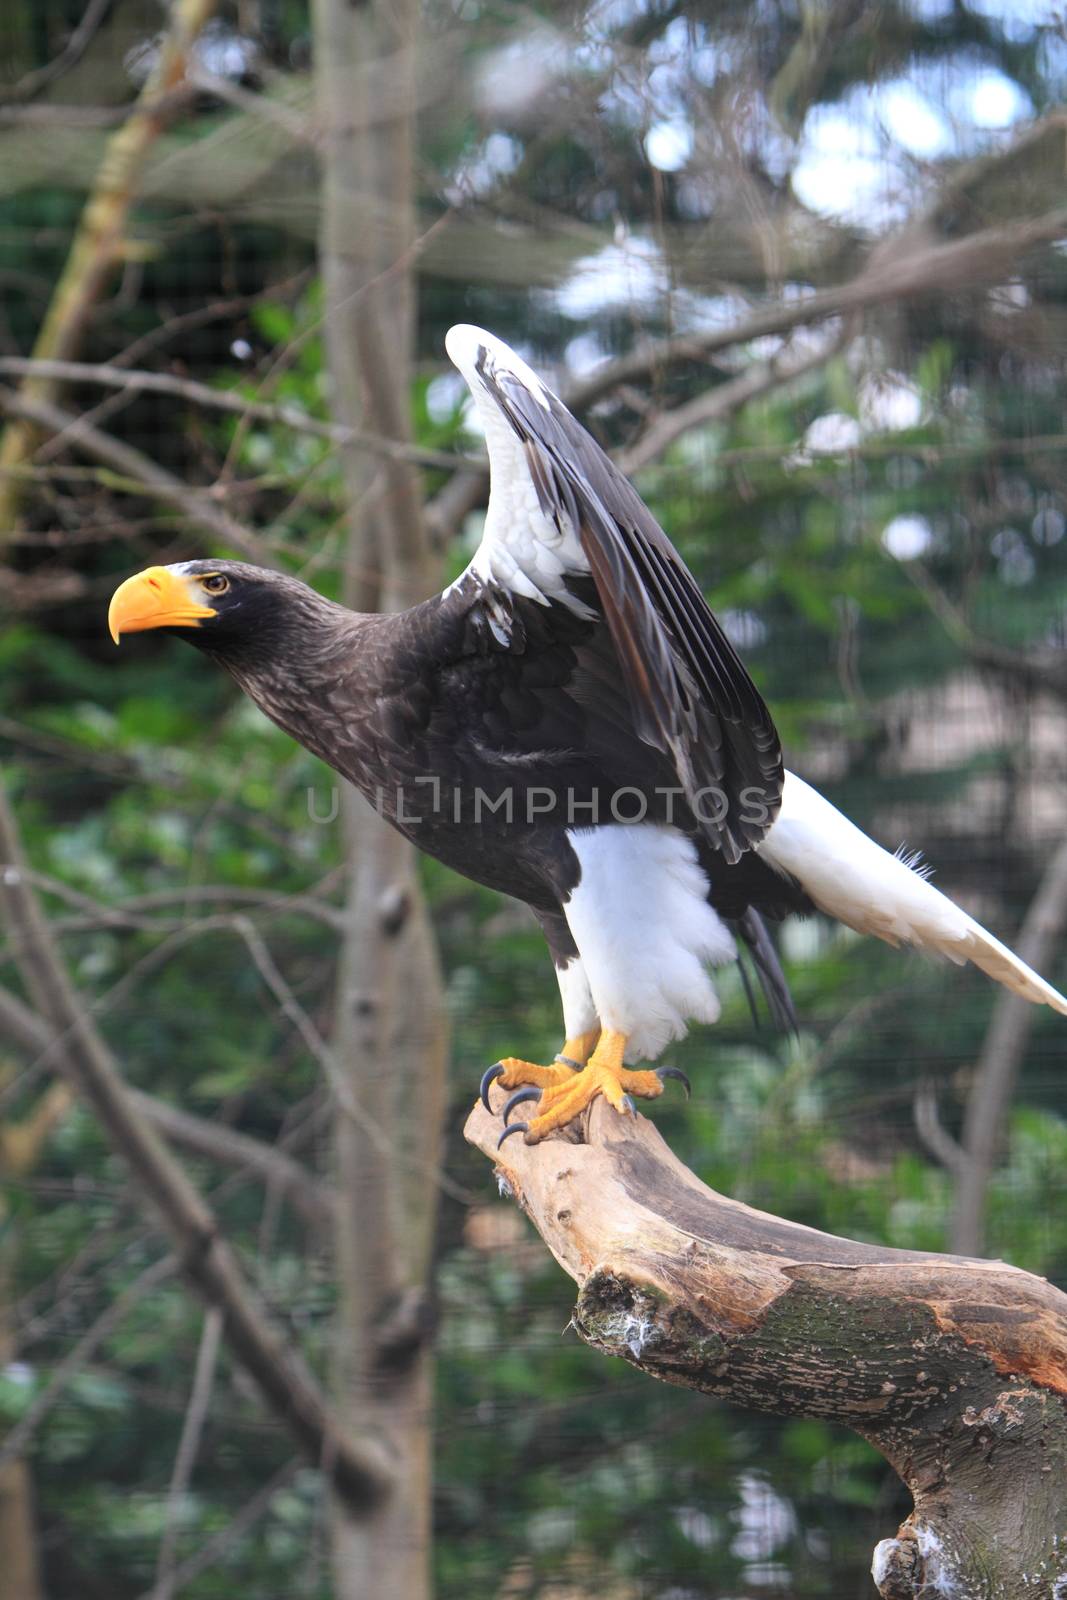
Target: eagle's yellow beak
{"x":155,"y":598}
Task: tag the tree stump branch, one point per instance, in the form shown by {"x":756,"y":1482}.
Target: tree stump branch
{"x":955,"y":1369}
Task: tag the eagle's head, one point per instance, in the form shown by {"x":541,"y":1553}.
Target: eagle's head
{"x":232,"y":611}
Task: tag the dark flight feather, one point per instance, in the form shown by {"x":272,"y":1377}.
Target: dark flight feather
{"x":691,"y":696}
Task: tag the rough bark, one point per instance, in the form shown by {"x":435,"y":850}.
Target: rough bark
{"x":392,"y":1054}
{"x":955,"y":1369}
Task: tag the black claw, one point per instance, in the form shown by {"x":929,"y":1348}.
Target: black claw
{"x":517,"y":1099}
{"x":628,"y":1105}
{"x":487,"y":1077}
{"x":516,"y":1127}
{"x":674,"y":1072}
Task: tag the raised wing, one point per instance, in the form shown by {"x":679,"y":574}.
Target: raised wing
{"x":559,"y":510}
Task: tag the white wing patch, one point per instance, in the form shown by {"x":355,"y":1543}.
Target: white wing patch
{"x":644,"y":930}
{"x":522,"y":550}
{"x":855,"y":880}
{"x":465,"y":345}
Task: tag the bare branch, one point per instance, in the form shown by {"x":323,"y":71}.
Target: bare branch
{"x":801,"y":76}
{"x":24,"y":1028}
{"x":894,"y":273}
{"x":278,"y":111}
{"x":161,"y":769}
{"x":134,"y":911}
{"x":307,"y":904}
{"x":932,"y":1131}
{"x":359,"y":1469}
{"x":305,"y":1193}
{"x":33,"y":1037}
{"x":215,"y":1548}
{"x":60,"y":117}
{"x":195,"y":504}
{"x":98,"y":240}
{"x":726,"y":398}
{"x":899,"y":271}
{"x":188,"y":1447}
{"x":81,"y":38}
{"x":1001,"y":1058}
{"x":464,"y":492}
{"x":19,"y":1436}
{"x":134,"y":381}
{"x":200,"y":316}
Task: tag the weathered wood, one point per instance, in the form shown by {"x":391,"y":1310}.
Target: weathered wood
{"x":955,"y":1369}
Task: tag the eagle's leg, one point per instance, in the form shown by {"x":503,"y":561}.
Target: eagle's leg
{"x":603,"y":1074}
{"x":511,"y":1072}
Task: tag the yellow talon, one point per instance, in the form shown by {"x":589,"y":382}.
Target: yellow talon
{"x":574,"y":1055}
{"x":516,"y":1072}
{"x":511,"y":1073}
{"x":603,"y":1074}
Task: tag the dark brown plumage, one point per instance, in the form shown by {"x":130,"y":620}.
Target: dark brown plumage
{"x":566,"y":721}
{"x":574,"y":665}
{"x":392,"y":701}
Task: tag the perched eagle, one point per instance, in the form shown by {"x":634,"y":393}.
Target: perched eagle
{"x":569,"y":724}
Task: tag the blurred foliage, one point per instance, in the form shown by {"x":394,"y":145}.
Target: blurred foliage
{"x":161,"y":810}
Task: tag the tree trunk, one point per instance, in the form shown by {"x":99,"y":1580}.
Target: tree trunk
{"x":21,"y":1147}
{"x":18,"y":1543}
{"x":386,"y":1211}
{"x":955,"y":1369}
{"x":18,"y":1550}
{"x":392,"y":1056}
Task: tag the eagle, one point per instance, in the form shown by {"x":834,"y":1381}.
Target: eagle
{"x":568,"y":723}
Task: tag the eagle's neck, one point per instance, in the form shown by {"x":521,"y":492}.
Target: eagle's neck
{"x":319,"y":683}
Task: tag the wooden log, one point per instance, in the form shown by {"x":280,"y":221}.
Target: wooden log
{"x":955,"y":1369}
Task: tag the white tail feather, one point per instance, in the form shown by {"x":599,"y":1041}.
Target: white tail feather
{"x":850,"y":877}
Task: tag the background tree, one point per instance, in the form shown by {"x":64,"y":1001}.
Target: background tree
{"x":803,"y":271}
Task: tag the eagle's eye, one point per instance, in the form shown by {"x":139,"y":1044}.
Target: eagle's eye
{"x":215,"y":583}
